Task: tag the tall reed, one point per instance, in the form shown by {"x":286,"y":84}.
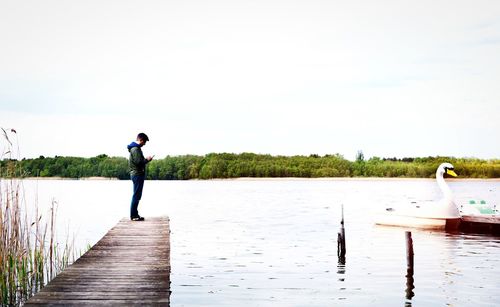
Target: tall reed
{"x":29,"y":253}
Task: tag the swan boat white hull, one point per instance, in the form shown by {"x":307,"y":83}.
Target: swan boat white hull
{"x":417,"y":221}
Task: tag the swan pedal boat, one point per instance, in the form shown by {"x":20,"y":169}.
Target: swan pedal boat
{"x":435,"y":215}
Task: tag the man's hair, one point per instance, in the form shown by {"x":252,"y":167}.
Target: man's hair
{"x":142,"y":136}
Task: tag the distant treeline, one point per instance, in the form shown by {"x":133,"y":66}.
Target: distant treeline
{"x":228,"y":165}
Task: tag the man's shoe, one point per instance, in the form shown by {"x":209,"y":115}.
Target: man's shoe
{"x":137,"y":218}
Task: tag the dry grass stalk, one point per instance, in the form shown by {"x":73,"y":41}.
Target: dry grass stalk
{"x":26,"y":261}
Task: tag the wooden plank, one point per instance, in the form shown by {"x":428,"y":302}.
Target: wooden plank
{"x":491,"y":219}
{"x":481,"y":224}
{"x":129,"y":266}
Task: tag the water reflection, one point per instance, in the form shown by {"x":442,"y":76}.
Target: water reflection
{"x":410,"y":285}
{"x":341,"y":270}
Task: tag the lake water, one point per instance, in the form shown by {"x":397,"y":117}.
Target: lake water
{"x":274,"y":242}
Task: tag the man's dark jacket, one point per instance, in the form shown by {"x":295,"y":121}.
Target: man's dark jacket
{"x":136,"y":162}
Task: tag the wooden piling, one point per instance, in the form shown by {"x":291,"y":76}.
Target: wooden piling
{"x":129,"y":266}
{"x":341,"y":246}
{"x":409,"y":266}
{"x":409,"y":250}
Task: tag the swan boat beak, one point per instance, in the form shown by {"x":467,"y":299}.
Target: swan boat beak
{"x":451,"y":172}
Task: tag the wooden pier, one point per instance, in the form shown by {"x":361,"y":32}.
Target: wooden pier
{"x":129,"y":266}
{"x":481,"y":224}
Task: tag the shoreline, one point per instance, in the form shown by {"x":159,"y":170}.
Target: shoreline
{"x":64,"y":178}
{"x":348,"y":179}
{"x":274,"y":179}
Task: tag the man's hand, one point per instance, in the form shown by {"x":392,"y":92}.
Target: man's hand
{"x":150,"y":158}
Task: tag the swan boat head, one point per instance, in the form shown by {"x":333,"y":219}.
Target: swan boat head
{"x":445,"y":168}
{"x":446,"y":206}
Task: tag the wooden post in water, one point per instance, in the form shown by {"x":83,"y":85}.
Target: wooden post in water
{"x":409,"y":266}
{"x":341,"y":250}
{"x":409,"y":250}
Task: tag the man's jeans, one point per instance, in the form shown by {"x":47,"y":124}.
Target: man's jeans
{"x":138,"y":182}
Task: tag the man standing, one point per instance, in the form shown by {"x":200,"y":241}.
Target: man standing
{"x":137,"y":168}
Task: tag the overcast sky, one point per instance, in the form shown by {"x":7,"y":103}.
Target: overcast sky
{"x":391,"y":78}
